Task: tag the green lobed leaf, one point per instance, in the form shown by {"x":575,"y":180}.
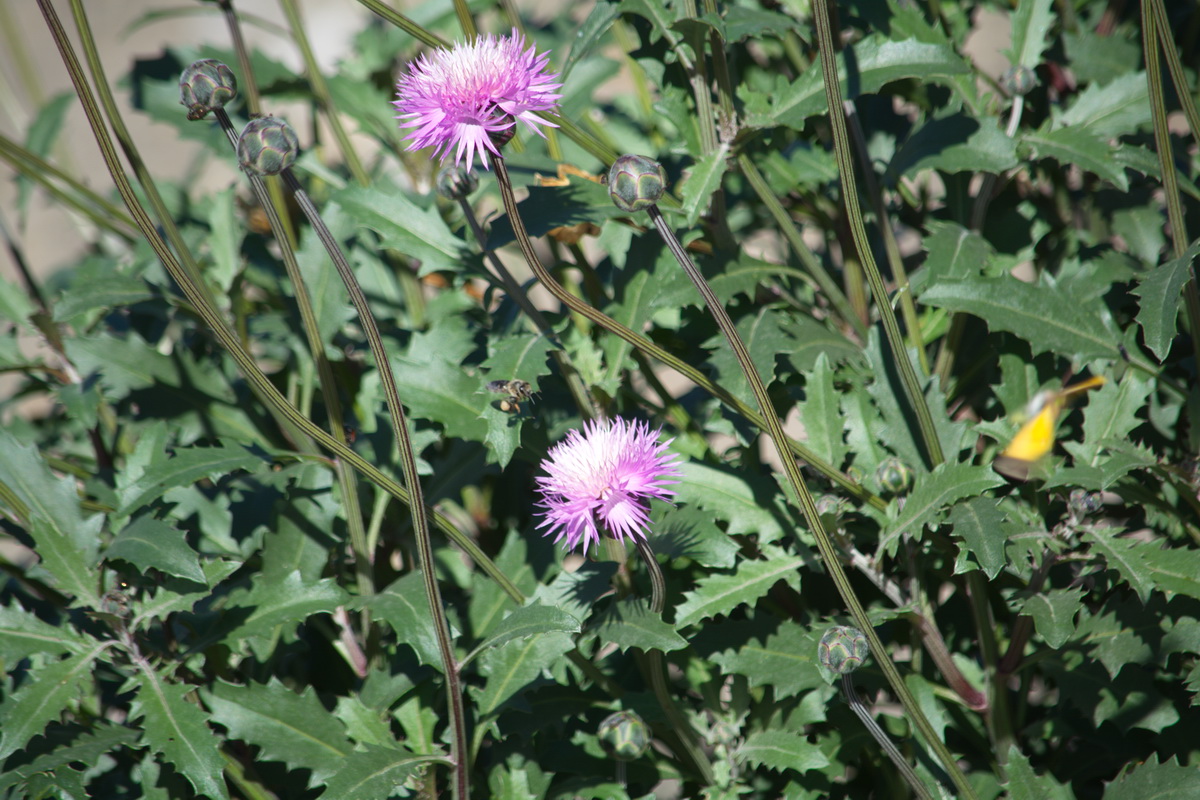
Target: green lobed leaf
{"x":956,"y":143}
{"x":1053,"y":613}
{"x":92,"y":291}
{"x":185,"y":467}
{"x":371,"y":773}
{"x":780,"y":750}
{"x":1152,"y":780}
{"x":786,"y":661}
{"x":442,"y":392}
{"x":511,"y":668}
{"x":83,"y":751}
{"x":224,"y":241}
{"x":124,"y":364}
{"x":576,"y":592}
{"x":1160,"y":298}
{"x":150,"y":543}
{"x":1110,"y":416}
{"x":1125,"y":556}
{"x":765,"y":337}
{"x":22,"y":634}
{"x":933,"y":493}
{"x":981,"y":526}
{"x":49,"y":691}
{"x":630,"y":623}
{"x":286,"y":726}
{"x":416,"y":232}
{"x":65,"y":542}
{"x":691,"y":533}
{"x":747,"y":504}
{"x":271,"y":604}
{"x":1117,"y":108}
{"x":1079,"y":148}
{"x":1175,"y":569}
{"x":702,"y":181}
{"x":877,"y":61}
{"x":1025,"y":784}
{"x":489,"y":602}
{"x":530,"y":620}
{"x":178,"y":731}
{"x":953,"y":253}
{"x":719,"y":594}
{"x":405,"y":606}
{"x":1040,"y":314}
{"x":824,"y":427}
{"x":1030,"y":26}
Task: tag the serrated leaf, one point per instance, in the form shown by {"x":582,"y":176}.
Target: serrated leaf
{"x":1040,"y":314}
{"x":375,"y":772}
{"x":289,"y":602}
{"x":224,"y":241}
{"x":1110,"y":416}
{"x":743,"y":502}
{"x":1024,"y":784}
{"x":824,"y":427}
{"x":50,"y":690}
{"x":186,"y":466}
{"x":1175,"y":569}
{"x":22,"y":634}
{"x":980,"y":524}
{"x":1151,"y":780}
{"x":957,"y":143}
{"x":150,"y":543}
{"x":1030,"y":25}
{"x":703,"y":179}
{"x":405,"y":606}
{"x":1124,"y":556}
{"x":589,"y":35}
{"x":720,"y":594}
{"x":177,"y":730}
{"x":65,"y":541}
{"x":530,"y":620}
{"x":85,"y":749}
{"x":124,"y":364}
{"x":511,"y":668}
{"x":1160,"y":299}
{"x":92,"y":291}
{"x":764,"y":337}
{"x":691,"y":533}
{"x":417,"y":232}
{"x":786,"y":661}
{"x":489,"y":602}
{"x":442,"y":392}
{"x":780,"y":750}
{"x":630,"y":623}
{"x":576,"y":592}
{"x":1080,"y":148}
{"x":289,"y":727}
{"x":877,"y":61}
{"x":935,"y":492}
{"x":954,"y":253}
{"x":1053,"y":613}
{"x":1115,"y":109}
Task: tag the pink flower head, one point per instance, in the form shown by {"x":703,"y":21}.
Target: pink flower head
{"x":457,"y":98}
{"x":601,"y":480}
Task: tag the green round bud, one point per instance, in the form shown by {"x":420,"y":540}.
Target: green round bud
{"x":455,"y":183}
{"x":635,"y":182}
{"x":843,"y":649}
{"x":267,"y":146}
{"x":624,"y":735}
{"x":1084,"y":503}
{"x":894,"y":475}
{"x":206,"y":85}
{"x":1018,"y":80}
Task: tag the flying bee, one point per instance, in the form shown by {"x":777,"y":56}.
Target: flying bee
{"x":516,"y":391}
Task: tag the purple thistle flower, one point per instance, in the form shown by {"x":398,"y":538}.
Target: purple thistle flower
{"x":458,"y":98}
{"x":601,"y":481}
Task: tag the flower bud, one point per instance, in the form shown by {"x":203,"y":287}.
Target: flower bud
{"x":205,"y":85}
{"x":1018,"y":80}
{"x":624,"y":735}
{"x":635,"y":182}
{"x":267,"y":146}
{"x":1084,"y":503}
{"x":455,"y":182}
{"x":894,"y":475}
{"x":842,"y":649}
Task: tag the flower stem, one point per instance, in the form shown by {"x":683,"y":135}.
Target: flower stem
{"x":808,"y":506}
{"x":889,"y":747}
{"x":650,"y":348}
{"x":408,"y":465}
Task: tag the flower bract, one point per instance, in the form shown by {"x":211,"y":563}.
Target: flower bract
{"x":457,"y":99}
{"x":600,"y":480}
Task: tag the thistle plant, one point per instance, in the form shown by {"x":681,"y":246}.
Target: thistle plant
{"x":398,"y":436}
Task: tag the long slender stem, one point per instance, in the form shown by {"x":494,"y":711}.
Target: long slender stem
{"x":320,"y":90}
{"x":889,"y":747}
{"x":808,"y":505}
{"x":408,"y":465}
{"x":650,"y":348}
{"x":270,"y":395}
{"x":837,"y":120}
